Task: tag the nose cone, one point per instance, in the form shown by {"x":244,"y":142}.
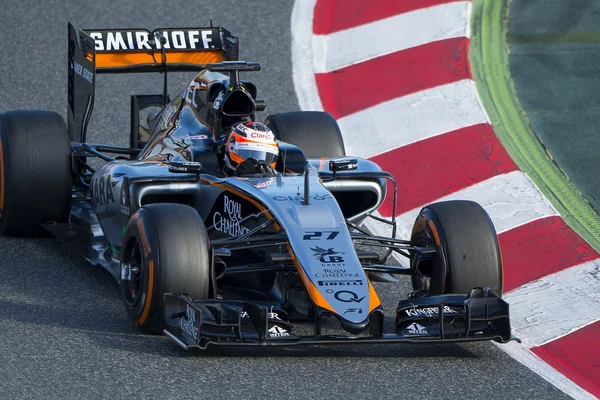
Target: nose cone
{"x":354,"y":327}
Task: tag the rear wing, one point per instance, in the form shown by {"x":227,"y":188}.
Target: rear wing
{"x":93,"y":51}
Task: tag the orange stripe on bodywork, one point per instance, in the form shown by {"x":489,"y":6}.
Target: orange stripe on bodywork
{"x":322,"y":163}
{"x":374,"y":301}
{"x":1,"y":179}
{"x":124,"y":59}
{"x":313,"y":292}
{"x":149,"y":292}
{"x":258,"y":205}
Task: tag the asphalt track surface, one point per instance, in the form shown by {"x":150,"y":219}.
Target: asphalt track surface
{"x":63,"y":329}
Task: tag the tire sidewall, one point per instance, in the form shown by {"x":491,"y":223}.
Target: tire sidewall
{"x":5,"y":202}
{"x":140,"y":232}
{"x":449,"y":271}
{"x":175,"y":258}
{"x":36,"y":179}
{"x":316,"y":133}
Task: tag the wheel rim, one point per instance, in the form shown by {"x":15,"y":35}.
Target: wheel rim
{"x":132,"y":273}
{"x":423,"y":282}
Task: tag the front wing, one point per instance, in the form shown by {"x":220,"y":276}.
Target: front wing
{"x":431,"y":319}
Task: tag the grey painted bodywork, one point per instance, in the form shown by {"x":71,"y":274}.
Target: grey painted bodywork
{"x":317,"y":233}
{"x":328,"y":257}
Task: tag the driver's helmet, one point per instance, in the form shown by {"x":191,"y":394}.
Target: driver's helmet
{"x":250,"y":140}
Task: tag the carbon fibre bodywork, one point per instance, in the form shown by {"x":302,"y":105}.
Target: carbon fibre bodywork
{"x":304,"y":266}
{"x":478,"y":316}
{"x":285,"y":247}
{"x":316,"y":234}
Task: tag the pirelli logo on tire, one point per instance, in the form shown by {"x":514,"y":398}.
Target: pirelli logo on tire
{"x":143,"y":237}
{"x":420,"y":225}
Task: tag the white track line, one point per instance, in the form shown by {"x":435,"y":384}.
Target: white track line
{"x":302,"y":58}
{"x":411,"y":118}
{"x":400,"y":32}
{"x":531,"y":361}
{"x":556,"y":305}
{"x":510,"y":199}
{"x":520,"y":203}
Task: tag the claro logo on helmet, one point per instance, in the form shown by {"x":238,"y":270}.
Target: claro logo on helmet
{"x":262,"y":135}
{"x":259,"y":134}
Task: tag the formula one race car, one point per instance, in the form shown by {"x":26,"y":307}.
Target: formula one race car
{"x":207,"y":257}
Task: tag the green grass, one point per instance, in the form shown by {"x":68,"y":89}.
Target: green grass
{"x":489,"y":61}
{"x":546,"y":38}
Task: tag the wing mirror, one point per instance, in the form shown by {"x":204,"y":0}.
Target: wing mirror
{"x":344,"y":164}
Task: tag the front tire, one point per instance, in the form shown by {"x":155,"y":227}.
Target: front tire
{"x":470,"y":255}
{"x":35,"y":172}
{"x":165,"y":250}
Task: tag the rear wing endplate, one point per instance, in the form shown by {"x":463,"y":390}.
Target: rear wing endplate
{"x":100,"y":51}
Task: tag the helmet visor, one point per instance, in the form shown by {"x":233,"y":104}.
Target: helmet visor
{"x":259,"y":155}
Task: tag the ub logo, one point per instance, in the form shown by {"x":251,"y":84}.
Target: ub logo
{"x":327,"y":256}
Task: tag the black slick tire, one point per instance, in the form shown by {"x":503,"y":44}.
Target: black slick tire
{"x":36,"y":182}
{"x":315,"y":132}
{"x":165,"y":250}
{"x":470,"y":255}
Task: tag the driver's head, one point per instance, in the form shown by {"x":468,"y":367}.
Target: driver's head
{"x":249,"y":148}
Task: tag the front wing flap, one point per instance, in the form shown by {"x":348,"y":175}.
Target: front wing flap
{"x":432,"y":319}
{"x":197,"y":323}
{"x":455,"y":316}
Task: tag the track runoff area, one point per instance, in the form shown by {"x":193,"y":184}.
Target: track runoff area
{"x":396,"y":75}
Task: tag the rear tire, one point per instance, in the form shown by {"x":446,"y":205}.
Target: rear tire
{"x":167,"y":250}
{"x":35,"y":172}
{"x":471,"y":253}
{"x":316,"y":133}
